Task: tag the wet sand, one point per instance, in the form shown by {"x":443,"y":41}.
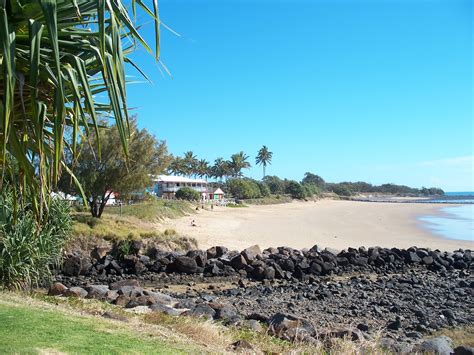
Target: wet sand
{"x":328,"y":223}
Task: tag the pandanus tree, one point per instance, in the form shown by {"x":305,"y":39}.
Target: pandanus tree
{"x":264,"y":158}
{"x":58,"y":59}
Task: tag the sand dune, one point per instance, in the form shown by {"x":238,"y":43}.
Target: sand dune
{"x":328,"y":223}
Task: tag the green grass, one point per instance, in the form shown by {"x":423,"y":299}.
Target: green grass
{"x":155,"y":210}
{"x":270,"y":200}
{"x":31,"y":328}
{"x":138,"y":221}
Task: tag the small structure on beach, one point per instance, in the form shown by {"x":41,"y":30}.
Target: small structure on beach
{"x":217,"y":195}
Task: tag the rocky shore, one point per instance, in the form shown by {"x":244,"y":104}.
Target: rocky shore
{"x":397,"y":296}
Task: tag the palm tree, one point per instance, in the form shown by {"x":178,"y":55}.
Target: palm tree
{"x":57,"y":55}
{"x":218,"y":169}
{"x":177,"y":167}
{"x":264,"y":158}
{"x":203,"y":168}
{"x":238,"y":162}
{"x":191,"y":162}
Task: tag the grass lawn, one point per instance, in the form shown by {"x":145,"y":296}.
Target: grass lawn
{"x":26,"y":328}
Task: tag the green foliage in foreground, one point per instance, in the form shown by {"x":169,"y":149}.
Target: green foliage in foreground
{"x":187,"y":193}
{"x":58,"y":57}
{"x":28,"y":329}
{"x":28,"y":249}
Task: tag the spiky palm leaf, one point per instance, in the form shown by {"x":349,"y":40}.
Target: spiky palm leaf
{"x":56,"y":57}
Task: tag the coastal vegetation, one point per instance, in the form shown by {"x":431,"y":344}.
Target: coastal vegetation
{"x":114,"y":172}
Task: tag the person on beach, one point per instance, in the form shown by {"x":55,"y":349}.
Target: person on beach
{"x":193,"y":223}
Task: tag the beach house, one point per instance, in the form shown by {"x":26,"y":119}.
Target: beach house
{"x":165,"y":186}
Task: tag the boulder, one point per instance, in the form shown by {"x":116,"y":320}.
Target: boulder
{"x":202,"y":310}
{"x":97,"y":292}
{"x":290,"y":328}
{"x":99,"y":252}
{"x":238,"y":262}
{"x":440,"y":346}
{"x":126,"y":282}
{"x":464,"y":350}
{"x":78,"y":292}
{"x":57,"y":289}
{"x":250,"y":254}
{"x":184,"y":264}
{"x":199,"y":256}
{"x":72,"y":266}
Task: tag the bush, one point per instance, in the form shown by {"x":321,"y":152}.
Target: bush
{"x":341,"y":190}
{"x":310,"y":190}
{"x":29,"y":250}
{"x":276,"y":185}
{"x":187,"y":193}
{"x":264,"y":189}
{"x":243,"y":188}
{"x":295,"y":189}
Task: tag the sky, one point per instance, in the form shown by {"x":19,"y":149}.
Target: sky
{"x":355,"y":90}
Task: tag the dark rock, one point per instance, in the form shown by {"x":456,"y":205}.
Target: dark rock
{"x":363,"y":327}
{"x":395,"y":325}
{"x":290,"y":328}
{"x":97,"y":292}
{"x":99,"y":252}
{"x":202,"y":310}
{"x":238,"y":262}
{"x":184,"y":264}
{"x":122,"y":300}
{"x":72,"y":266}
{"x":464,"y":350}
{"x":57,"y":289}
{"x":78,"y":292}
{"x":126,"y":282}
{"x":251,"y":253}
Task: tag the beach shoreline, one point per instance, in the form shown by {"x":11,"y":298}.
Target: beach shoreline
{"x":329,"y":223}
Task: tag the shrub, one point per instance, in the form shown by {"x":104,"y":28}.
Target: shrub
{"x":341,"y":190}
{"x":243,"y":188}
{"x":187,"y":193}
{"x":276,"y":185}
{"x":295,"y":189}
{"x":29,"y":250}
{"x":264,"y":189}
{"x":310,"y":189}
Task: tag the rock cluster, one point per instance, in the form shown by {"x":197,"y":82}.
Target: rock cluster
{"x":302,"y":295}
{"x":272,"y":263}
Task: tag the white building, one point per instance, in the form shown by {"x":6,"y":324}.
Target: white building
{"x":165,"y":186}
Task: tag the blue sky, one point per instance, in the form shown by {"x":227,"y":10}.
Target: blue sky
{"x":379,"y":91}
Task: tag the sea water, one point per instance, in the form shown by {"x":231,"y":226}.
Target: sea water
{"x":455,"y":222}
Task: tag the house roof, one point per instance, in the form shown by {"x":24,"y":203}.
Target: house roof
{"x":218,"y":192}
{"x":169,"y":178}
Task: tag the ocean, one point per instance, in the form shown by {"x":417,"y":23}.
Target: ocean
{"x":457,"y":221}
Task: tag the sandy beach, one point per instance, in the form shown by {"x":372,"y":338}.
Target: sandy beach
{"x":328,"y":223}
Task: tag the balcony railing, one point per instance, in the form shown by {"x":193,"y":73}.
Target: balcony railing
{"x":176,"y":188}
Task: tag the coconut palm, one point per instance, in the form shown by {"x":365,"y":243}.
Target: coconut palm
{"x":177,"y":166}
{"x":191,"y":162}
{"x":203,"y":168}
{"x":264,"y":158}
{"x":57,"y":57}
{"x":238,"y":162}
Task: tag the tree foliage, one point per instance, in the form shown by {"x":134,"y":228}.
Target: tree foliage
{"x":187,"y":193}
{"x":113,"y":172}
{"x":264,"y":158}
{"x":58,"y":57}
